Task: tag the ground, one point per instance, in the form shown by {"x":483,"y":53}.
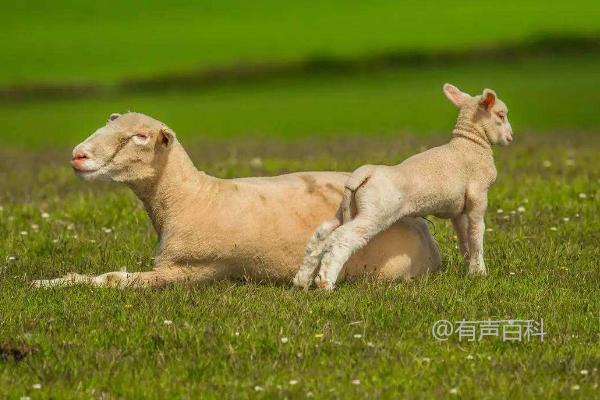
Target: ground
{"x":362,"y":85}
{"x":253,"y":339}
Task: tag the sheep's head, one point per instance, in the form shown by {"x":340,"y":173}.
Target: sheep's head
{"x":485,"y":111}
{"x":128,"y":148}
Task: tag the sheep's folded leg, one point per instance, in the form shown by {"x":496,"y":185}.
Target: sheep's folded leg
{"x":121,"y":279}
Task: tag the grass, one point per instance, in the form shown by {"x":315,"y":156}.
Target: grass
{"x":225,"y":339}
{"x":543,"y":93}
{"x":107,"y":41}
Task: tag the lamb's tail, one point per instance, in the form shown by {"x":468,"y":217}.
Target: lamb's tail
{"x":356,"y":180}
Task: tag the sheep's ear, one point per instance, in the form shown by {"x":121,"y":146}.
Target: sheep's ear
{"x":488,"y":99}
{"x":166,"y":136}
{"x":113,"y":116}
{"x":454,"y":94}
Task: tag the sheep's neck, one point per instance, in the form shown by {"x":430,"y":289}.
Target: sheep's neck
{"x":167,"y":194}
{"x":466,"y":131}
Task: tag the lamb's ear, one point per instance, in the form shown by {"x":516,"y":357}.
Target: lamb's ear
{"x":113,"y":116}
{"x":166,"y":136}
{"x":454,"y":94}
{"x":488,"y":99}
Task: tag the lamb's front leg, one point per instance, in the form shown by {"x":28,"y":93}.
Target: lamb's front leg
{"x":475,"y":232}
{"x":461,"y":227}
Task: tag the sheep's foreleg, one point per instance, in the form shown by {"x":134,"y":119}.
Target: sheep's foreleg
{"x":121,"y":279}
{"x":314,"y":252}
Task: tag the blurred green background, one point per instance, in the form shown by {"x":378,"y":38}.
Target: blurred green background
{"x":543,"y":59}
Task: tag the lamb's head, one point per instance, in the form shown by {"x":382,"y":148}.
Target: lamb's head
{"x":130,"y":147}
{"x":486,"y":112}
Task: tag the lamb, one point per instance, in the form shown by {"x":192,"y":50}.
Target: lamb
{"x":449,"y":181}
{"x":211,"y":229}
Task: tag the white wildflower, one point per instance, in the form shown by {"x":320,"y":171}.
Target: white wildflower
{"x":357,"y":336}
{"x":256,"y":162}
{"x":356,"y":381}
{"x":106,"y":230}
{"x":45,"y":215}
{"x":575,"y":387}
{"x":582,"y":196}
{"x":284,"y":340}
{"x":583,"y":372}
{"x":521,"y":209}
{"x":499,"y":211}
{"x":470,"y":357}
{"x":566,"y":219}
{"x":37,"y":386}
{"x":453,"y":391}
{"x":258,"y":388}
{"x":553,"y":228}
{"x":24,"y":233}
{"x":167,"y":322}
{"x":293,"y":382}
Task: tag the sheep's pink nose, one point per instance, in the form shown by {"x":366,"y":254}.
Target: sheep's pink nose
{"x":79,"y":157}
{"x":80,"y":154}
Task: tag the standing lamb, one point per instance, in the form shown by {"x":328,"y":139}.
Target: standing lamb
{"x":210,"y":228}
{"x":449,"y":181}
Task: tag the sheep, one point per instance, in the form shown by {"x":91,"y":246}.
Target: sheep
{"x":449,"y":181}
{"x":211,"y":229}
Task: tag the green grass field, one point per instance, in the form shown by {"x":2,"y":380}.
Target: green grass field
{"x":109,"y":40}
{"x":365,"y":340}
{"x":225,"y":339}
{"x":543,"y":94}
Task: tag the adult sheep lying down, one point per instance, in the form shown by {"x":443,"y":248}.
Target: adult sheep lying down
{"x":210,"y":228}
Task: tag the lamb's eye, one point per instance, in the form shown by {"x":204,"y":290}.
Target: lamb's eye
{"x":501,"y":116}
{"x":141,"y":136}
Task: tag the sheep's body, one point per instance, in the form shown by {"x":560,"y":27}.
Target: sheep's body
{"x":449,"y":181}
{"x":255,"y":228}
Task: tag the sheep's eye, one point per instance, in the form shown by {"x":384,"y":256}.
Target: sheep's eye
{"x":141,"y":136}
{"x":501,"y":116}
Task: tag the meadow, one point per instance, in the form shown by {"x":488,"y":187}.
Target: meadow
{"x":238,"y":339}
{"x":64,"y":41}
{"x":253,"y":339}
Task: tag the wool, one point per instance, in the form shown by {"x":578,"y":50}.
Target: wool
{"x":210,"y":228}
{"x":450,"y":181}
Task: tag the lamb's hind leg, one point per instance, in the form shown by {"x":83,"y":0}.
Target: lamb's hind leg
{"x":314,"y":251}
{"x":346,"y":240}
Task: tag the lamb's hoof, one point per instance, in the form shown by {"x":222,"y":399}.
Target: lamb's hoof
{"x":478,"y":271}
{"x":302,"y":281}
{"x":323,"y":283}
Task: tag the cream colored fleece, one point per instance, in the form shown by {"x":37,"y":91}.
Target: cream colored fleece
{"x":210,"y":228}
{"x":449,"y":181}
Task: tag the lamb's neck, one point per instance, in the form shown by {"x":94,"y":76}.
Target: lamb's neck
{"x":167,"y":194}
{"x":468,"y":134}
